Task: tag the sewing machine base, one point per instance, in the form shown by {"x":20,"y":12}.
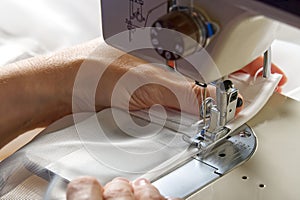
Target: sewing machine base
{"x":200,"y":170}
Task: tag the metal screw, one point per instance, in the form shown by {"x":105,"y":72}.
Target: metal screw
{"x":245,"y":134}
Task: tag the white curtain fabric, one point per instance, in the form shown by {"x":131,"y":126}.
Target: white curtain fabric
{"x":104,"y":145}
{"x":35,"y":27}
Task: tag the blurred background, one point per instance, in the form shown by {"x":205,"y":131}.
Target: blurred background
{"x":39,"y":26}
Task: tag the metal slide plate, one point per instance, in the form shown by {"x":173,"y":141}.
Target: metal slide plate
{"x":199,"y":171}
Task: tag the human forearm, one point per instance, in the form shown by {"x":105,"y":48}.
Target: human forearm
{"x":38,"y":91}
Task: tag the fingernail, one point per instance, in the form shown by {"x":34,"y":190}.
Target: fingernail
{"x":141,"y":181}
{"x":120,"y":179}
{"x":239,"y":102}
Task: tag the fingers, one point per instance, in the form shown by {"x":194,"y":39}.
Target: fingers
{"x":143,"y":189}
{"x":121,"y":188}
{"x":118,"y":189}
{"x":252,"y":68}
{"x":88,"y":188}
{"x":84,"y":188}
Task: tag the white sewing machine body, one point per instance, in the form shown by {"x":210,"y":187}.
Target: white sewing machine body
{"x":239,"y":34}
{"x":234,"y":30}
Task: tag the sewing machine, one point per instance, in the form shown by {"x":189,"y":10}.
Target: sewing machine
{"x":205,"y":41}
{"x":213,"y":39}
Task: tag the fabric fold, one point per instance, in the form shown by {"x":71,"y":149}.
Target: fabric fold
{"x":107,"y":144}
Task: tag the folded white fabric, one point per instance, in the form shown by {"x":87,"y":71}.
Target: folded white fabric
{"x":106,"y":144}
{"x":256,"y":91}
{"x":13,"y":48}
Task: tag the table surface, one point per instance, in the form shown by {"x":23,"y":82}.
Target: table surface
{"x":272,"y":171}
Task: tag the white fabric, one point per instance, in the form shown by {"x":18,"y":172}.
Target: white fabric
{"x":256,"y":91}
{"x":32,"y":27}
{"x":97,"y":146}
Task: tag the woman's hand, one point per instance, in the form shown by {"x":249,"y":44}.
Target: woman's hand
{"x":119,"y":188}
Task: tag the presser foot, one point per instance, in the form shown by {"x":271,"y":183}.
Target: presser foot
{"x":205,"y":140}
{"x":199,"y":171}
